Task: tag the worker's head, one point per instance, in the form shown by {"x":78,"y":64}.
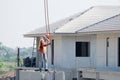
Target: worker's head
{"x":47,"y":35}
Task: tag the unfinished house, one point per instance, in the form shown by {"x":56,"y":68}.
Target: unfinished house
{"x":85,"y":45}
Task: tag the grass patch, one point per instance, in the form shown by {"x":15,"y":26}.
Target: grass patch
{"x":3,"y":72}
{"x":6,"y":67}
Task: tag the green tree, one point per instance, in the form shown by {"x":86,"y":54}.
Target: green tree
{"x":1,"y":64}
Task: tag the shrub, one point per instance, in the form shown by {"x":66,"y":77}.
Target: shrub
{"x":1,"y":65}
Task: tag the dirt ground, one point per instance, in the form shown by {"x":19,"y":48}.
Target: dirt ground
{"x":10,"y":74}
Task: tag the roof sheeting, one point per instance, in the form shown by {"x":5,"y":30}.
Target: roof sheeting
{"x":98,"y":18}
{"x":111,"y":24}
{"x":53,"y":26}
{"x":92,"y":16}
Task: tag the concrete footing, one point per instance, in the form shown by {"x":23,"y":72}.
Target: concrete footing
{"x":34,"y":74}
{"x":39,"y":75}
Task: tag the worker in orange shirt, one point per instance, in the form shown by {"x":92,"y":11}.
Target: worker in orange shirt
{"x":44,"y":42}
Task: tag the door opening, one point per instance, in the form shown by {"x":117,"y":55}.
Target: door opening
{"x":118,"y":51}
{"x":52,"y":53}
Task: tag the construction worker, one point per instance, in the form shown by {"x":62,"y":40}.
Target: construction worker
{"x":44,"y":42}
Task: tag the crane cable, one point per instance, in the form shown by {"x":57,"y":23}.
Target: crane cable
{"x":46,"y":12}
{"x":47,"y":24}
{"x":46,"y":16}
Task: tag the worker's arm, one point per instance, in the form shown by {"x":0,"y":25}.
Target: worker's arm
{"x":43,"y":43}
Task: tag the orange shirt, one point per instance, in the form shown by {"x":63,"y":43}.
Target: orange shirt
{"x":42,"y":47}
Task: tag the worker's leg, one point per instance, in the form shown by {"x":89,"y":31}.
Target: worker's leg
{"x":45,"y":61}
{"x":40,"y":59}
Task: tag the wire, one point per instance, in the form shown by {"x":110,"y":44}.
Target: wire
{"x":47,"y":19}
{"x":46,"y":16}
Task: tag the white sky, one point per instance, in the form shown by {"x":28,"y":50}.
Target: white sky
{"x":21,"y":16}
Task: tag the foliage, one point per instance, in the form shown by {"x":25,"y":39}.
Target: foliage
{"x":25,"y":52}
{"x":8,"y":57}
{"x":7,"y":67}
{"x":1,"y":64}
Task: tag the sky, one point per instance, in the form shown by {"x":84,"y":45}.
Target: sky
{"x":18,"y":17}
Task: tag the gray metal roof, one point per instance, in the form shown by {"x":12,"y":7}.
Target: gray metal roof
{"x":97,"y":18}
{"x":53,"y":26}
{"x":111,"y":24}
{"x":92,"y":16}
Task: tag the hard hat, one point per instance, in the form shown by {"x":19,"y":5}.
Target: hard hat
{"x":48,"y":36}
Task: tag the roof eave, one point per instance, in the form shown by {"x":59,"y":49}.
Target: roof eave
{"x":33,"y":35}
{"x":100,"y":32}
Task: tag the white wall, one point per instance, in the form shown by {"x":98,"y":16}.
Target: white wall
{"x":57,"y":52}
{"x":87,"y":62}
{"x":112,"y":50}
{"x":65,"y":52}
{"x":68,"y":52}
